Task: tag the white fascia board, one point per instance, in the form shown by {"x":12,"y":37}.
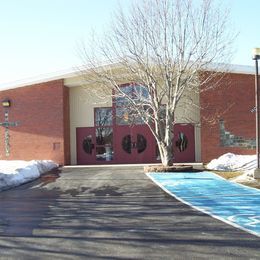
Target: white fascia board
{"x":234,"y":68}
{"x":74,"y":72}
{"x":39,"y":79}
{"x":242,"y":69}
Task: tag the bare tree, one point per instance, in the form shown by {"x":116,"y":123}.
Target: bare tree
{"x":169,"y":50}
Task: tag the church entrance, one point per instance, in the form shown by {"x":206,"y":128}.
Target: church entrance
{"x":118,"y":144}
{"x":120,"y":136}
{"x":130,"y":144}
{"x":135,"y":144}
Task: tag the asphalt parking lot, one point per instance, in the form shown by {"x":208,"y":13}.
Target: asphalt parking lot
{"x":111,"y":213}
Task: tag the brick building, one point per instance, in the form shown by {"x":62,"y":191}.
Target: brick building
{"x":55,"y":118}
{"x":228,"y":115}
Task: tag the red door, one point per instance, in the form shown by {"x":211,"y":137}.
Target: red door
{"x":184,"y":143}
{"x":94,"y":145}
{"x":86,"y":145}
{"x":134,"y":144}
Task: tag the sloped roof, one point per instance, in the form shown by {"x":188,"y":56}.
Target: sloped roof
{"x":73,"y":72}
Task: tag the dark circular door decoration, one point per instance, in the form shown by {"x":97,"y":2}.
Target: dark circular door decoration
{"x":141,"y":143}
{"x":126,"y":143}
{"x":182,"y":142}
{"x":87,"y":144}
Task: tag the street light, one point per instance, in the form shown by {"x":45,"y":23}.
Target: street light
{"x":256,"y":57}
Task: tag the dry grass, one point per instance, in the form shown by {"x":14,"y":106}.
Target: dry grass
{"x":254,"y":185}
{"x":228,"y":175}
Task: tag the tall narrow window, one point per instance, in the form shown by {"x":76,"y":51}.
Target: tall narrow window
{"x":104,"y":134}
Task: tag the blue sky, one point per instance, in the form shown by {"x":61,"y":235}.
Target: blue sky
{"x":42,"y":36}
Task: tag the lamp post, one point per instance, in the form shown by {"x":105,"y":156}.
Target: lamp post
{"x":256,"y":57}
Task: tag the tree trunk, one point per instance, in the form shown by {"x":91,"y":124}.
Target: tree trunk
{"x":167,"y":149}
{"x":166,"y":154}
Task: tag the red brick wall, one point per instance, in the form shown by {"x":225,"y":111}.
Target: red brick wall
{"x":66,"y":126}
{"x":231,"y":101}
{"x":43,"y":132}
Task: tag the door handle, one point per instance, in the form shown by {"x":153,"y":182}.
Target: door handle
{"x":133,"y":145}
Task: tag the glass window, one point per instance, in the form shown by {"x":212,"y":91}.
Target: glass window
{"x":126,"y":117}
{"x":127,"y":143}
{"x":124,"y":114}
{"x":104,"y":153}
{"x":121,"y":99}
{"x":103,"y":117}
{"x":140,"y":93}
{"x":101,"y":153}
{"x":87,"y":144}
{"x":104,"y":143}
{"x":182,"y":142}
{"x":136,"y":92}
{"x":104,"y":135}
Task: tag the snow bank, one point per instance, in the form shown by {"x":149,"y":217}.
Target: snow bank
{"x":233,"y":162}
{"x":14,"y":173}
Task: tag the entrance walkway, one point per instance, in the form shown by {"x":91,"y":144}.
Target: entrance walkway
{"x":232,"y":203}
{"x":111,"y":213}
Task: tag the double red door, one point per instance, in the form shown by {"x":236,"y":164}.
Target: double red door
{"x":126,"y":144}
{"x":134,"y":145}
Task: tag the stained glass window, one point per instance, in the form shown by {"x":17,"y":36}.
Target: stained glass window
{"x":125,"y":114}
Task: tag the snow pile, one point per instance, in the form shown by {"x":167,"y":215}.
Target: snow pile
{"x":233,"y":162}
{"x":14,"y":173}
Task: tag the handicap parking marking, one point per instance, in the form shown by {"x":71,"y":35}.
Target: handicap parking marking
{"x":232,"y":203}
{"x":250,"y":220}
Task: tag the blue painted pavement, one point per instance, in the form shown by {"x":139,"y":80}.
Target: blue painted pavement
{"x":230,"y":202}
